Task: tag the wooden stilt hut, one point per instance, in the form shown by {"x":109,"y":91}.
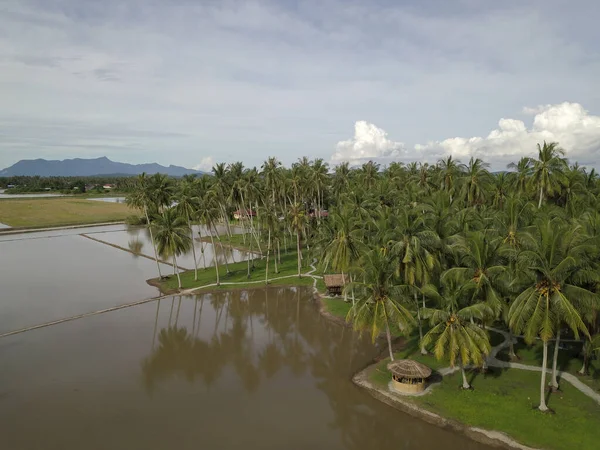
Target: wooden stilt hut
{"x":335,"y":283}
{"x":409,"y":376}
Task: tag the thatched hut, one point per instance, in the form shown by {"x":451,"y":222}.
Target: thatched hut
{"x":335,"y":283}
{"x":409,"y":376}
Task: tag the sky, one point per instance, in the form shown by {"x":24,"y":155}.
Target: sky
{"x":192,"y":83}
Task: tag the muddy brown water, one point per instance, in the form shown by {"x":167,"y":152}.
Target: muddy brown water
{"x":257,"y":369}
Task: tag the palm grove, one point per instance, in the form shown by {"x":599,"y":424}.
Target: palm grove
{"x":442,"y":250}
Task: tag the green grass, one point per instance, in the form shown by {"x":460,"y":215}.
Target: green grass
{"x":47,"y":212}
{"x":505,"y":401}
{"x":568,"y":359}
{"x":238,"y":274}
{"x":337,"y":307}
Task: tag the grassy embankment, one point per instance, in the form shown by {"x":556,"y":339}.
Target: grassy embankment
{"x":238,"y":272}
{"x":52,"y":212}
{"x":504,"y":400}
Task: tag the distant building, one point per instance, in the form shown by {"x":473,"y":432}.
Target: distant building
{"x":10,"y":186}
{"x":323,"y":213}
{"x":108,"y":186}
{"x":243,"y":214}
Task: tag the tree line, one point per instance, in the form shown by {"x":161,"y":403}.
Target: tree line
{"x":445,"y":249}
{"x":69,"y":185}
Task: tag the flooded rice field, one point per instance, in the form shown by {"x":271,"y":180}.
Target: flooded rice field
{"x":255,"y":369}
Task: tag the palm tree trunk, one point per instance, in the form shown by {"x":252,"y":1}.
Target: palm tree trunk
{"x":152,"y":239}
{"x":584,"y":367}
{"x":465,"y":384}
{"x":193,"y":251}
{"x":278,"y":255}
{"x":511,"y":346}
{"x":344,"y":288}
{"x":222,"y":250}
{"x":423,"y":350}
{"x":176,"y":270}
{"x":299,"y":253}
{"x":543,"y":406}
{"x":214,"y":256}
{"x":178,"y":309}
{"x":554,"y":381}
{"x":202,"y":247}
{"x":541,"y":196}
{"x":268,"y":253}
{"x":389,"y":339}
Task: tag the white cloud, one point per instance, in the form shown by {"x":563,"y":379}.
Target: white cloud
{"x":206,"y":164}
{"x":369,"y":143}
{"x":569,"y":124}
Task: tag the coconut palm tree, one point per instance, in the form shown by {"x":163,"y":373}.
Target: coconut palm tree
{"x":187,"y":205}
{"x":453,"y":334}
{"x":141,"y":198}
{"x":380,"y":302}
{"x":476,"y":181}
{"x":548,"y":295}
{"x":172,"y":237}
{"x":343,"y":251}
{"x":413,"y":245}
{"x":480,"y":262}
{"x":548,"y":170}
{"x":298,"y":220}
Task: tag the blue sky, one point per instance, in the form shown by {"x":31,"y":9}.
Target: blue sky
{"x":193,"y":82}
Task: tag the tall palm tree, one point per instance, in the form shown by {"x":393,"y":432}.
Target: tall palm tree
{"x":453,"y":334}
{"x":450,"y":171}
{"x":413,"y":245}
{"x":548,"y":169}
{"x":187,"y":205}
{"x":172,"y":235}
{"x":140,"y":197}
{"x":297,"y":219}
{"x":549,"y":296}
{"x":380,"y":302}
{"x":344,"y":249}
{"x":477,"y":180}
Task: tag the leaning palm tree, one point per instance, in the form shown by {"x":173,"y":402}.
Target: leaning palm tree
{"x":141,"y":197}
{"x":552,"y":293}
{"x":380,"y":302}
{"x":453,"y":334}
{"x":172,"y":236}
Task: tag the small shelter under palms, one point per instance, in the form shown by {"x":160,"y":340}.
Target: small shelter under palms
{"x":409,"y":376}
{"x":335,"y":283}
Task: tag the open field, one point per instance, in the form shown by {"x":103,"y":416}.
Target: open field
{"x":45,"y":212}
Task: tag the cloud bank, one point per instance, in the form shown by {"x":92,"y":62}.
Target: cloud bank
{"x":206,"y":164}
{"x":569,"y":124}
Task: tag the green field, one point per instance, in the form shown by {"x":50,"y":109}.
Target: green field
{"x":49,"y":212}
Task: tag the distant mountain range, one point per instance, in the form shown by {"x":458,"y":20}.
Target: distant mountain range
{"x":88,"y":167}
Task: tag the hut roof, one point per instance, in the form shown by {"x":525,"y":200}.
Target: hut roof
{"x":334,"y":280}
{"x":407,"y":368}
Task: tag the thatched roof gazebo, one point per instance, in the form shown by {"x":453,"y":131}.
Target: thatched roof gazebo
{"x":409,"y":376}
{"x":335,"y":283}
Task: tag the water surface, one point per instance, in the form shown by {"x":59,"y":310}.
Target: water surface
{"x":248,"y":370}
{"x":48,"y":278}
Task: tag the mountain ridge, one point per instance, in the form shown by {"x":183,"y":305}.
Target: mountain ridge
{"x":82,"y":167}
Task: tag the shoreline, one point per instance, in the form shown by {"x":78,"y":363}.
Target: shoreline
{"x":24,"y":230}
{"x":483,"y":436}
